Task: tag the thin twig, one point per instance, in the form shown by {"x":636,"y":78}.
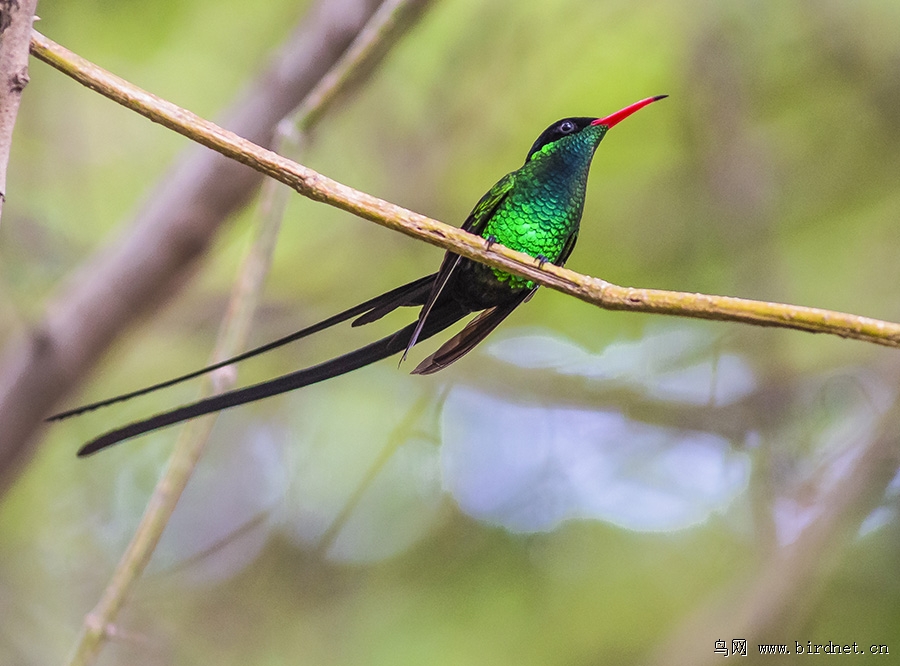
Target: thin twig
{"x":16,"y":19}
{"x":387,"y":24}
{"x":191,"y":443}
{"x":397,"y":436}
{"x":315,"y":186}
{"x":373,"y":39}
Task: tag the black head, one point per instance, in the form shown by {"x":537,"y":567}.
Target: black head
{"x":558,"y":130}
{"x":569,"y":126}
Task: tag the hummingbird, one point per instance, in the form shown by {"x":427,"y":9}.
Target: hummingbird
{"x":535,"y":209}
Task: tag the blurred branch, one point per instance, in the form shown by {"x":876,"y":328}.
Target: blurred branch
{"x":540,"y":386}
{"x":192,"y":440}
{"x":379,"y":33}
{"x":176,"y":223}
{"x":769,"y":607}
{"x":315,"y":186}
{"x":386,"y":26}
{"x":15,"y":36}
{"x":399,"y":435}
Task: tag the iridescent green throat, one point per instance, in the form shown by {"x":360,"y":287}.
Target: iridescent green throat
{"x":541,"y":215}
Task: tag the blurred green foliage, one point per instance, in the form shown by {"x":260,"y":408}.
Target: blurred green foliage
{"x":327,"y":527}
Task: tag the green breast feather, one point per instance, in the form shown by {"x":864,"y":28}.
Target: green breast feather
{"x":543,"y":201}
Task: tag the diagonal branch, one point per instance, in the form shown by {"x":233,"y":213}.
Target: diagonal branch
{"x":315,"y":186}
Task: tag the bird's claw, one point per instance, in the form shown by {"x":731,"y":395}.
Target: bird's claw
{"x":541,"y":260}
{"x":489,"y":242}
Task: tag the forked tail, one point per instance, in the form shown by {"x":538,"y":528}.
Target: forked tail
{"x":412,"y":293}
{"x":440,"y":318}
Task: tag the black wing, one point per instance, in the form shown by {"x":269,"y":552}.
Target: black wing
{"x":475,"y":223}
{"x":567,"y":250}
{"x":474,"y":332}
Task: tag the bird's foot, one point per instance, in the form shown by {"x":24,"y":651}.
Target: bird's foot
{"x":541,"y":260}
{"x":489,"y":242}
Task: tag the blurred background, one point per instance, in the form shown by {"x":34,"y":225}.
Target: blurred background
{"x":588,"y":487}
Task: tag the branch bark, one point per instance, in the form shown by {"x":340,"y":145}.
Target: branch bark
{"x":318,"y":187}
{"x":121,"y":286}
{"x":16,"y":19}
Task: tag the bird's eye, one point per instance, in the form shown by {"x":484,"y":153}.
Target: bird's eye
{"x":567,"y":127}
